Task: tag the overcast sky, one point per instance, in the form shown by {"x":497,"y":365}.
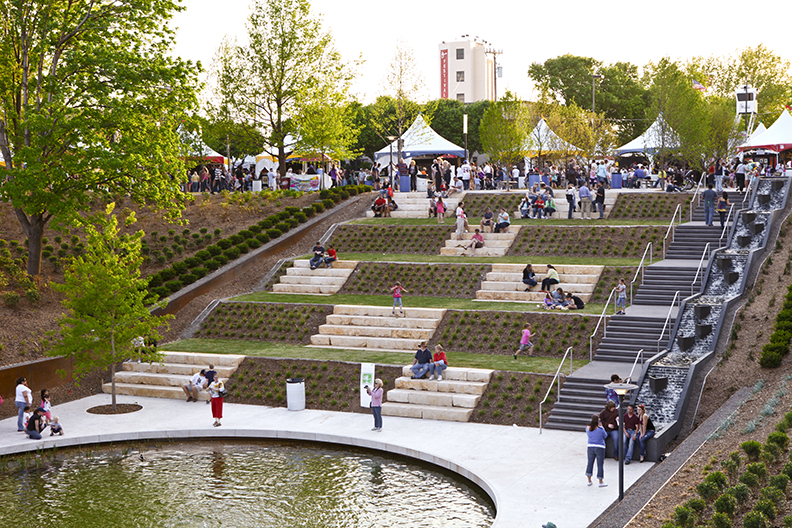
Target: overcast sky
{"x":527,"y":32}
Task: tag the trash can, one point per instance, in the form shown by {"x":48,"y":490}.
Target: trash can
{"x":295,"y":394}
{"x":420,"y":184}
{"x":616,"y":181}
{"x":256,"y":185}
{"x":533,"y":178}
{"x":404,"y":183}
{"x":521,"y":182}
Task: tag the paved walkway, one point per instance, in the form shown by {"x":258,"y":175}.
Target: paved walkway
{"x":532,"y":478}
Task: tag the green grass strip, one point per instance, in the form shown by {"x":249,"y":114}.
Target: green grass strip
{"x":516,"y":221}
{"x":539,"y":365}
{"x":518,"y":259}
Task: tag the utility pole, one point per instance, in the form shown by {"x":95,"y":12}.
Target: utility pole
{"x":494,"y":53}
{"x":594,"y":77}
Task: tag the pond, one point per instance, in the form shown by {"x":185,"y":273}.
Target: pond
{"x":236,"y":485}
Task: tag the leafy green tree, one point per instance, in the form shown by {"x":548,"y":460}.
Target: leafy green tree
{"x":566,"y":78}
{"x":289,"y":61}
{"x":447,"y":121}
{"x":622,"y":99}
{"x":223,"y":135}
{"x":504,"y":129}
{"x":326,"y":126}
{"x":90,"y":104}
{"x":105,"y":296}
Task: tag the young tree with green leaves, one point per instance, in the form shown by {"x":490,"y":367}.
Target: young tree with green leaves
{"x":105,"y":299}
{"x":504,"y":129}
{"x":90,"y":105}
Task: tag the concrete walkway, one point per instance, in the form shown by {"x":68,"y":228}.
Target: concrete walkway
{"x":532,"y":478}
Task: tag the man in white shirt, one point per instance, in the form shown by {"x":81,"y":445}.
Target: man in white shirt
{"x":515,"y":176}
{"x":272,"y":180}
{"x":464,"y":172}
{"x":196,"y":384}
{"x":458,"y":186}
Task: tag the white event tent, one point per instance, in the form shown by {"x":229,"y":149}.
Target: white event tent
{"x":776,"y":138}
{"x":543,"y":141}
{"x":651,"y":141}
{"x":419,"y":140}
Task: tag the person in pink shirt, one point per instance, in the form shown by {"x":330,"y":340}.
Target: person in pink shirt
{"x":397,"y":290}
{"x":440,"y":210}
{"x":525,"y":341}
{"x":476,"y":241}
{"x":439,"y":363}
{"x":376,"y":403}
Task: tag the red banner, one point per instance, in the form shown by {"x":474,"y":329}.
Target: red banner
{"x":444,"y":74}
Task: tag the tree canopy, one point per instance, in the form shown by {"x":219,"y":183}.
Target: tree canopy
{"x":90,"y":102}
{"x":505,"y":127}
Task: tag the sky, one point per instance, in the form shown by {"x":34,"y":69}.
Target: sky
{"x":527,"y":32}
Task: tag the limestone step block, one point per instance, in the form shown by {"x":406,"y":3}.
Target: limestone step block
{"x":519,"y":286}
{"x":174,"y":368}
{"x":318,"y":281}
{"x":480,"y":252}
{"x":378,"y":343}
{"x":385,"y":311}
{"x":407,"y":353}
{"x":319,"y":272}
{"x":517,"y":277}
{"x":390,"y":321}
{"x":539,"y":269}
{"x":458,"y":374}
{"x":151,"y":391}
{"x":519,"y":296}
{"x":407,"y":410}
{"x":203,"y":359}
{"x":305,"y":288}
{"x":152,"y":378}
{"x":339,"y":264}
{"x":436,"y":399}
{"x":490,"y":236}
{"x":425,"y":384}
{"x":487,"y":243}
{"x":376,"y":331}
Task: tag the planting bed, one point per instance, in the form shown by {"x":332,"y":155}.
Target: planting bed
{"x":283,"y":323}
{"x":513,"y":398}
{"x":600,"y":241}
{"x":475,"y":205}
{"x":435,"y":280}
{"x":610,"y":279}
{"x":490,"y":332}
{"x":421,"y":240}
{"x":329,"y":385}
{"x":649,"y":206}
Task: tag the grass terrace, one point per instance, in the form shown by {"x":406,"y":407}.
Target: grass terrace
{"x":371,"y":278}
{"x":644,"y":206}
{"x":608,"y":242}
{"x":514,"y":259}
{"x":473,"y":219}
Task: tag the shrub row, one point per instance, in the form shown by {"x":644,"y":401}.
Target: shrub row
{"x":778,"y":347}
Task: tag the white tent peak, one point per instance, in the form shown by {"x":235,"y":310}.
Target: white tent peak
{"x":542,"y":138}
{"x":652,"y":140}
{"x":420,"y":140}
{"x":776,"y":138}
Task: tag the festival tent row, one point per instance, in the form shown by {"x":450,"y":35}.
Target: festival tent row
{"x":658,"y":136}
{"x":776,"y":138}
{"x":419,"y":140}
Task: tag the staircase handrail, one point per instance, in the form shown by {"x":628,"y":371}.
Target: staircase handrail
{"x":725,"y":226}
{"x":596,"y":328}
{"x":695,"y":194}
{"x":747,"y":191}
{"x":670,"y":230}
{"x":637,"y":355}
{"x":670,"y":309}
{"x":698,"y":270}
{"x":556,"y":377}
{"x":640,"y":268}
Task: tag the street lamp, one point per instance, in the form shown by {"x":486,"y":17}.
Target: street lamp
{"x":593,"y":86}
{"x":390,"y":139}
{"x":621,"y":389}
{"x":465,"y":132}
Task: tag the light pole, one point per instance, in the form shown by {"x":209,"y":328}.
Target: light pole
{"x":390,"y":139}
{"x":465,"y":132}
{"x":621,"y":389}
{"x":593,"y":86}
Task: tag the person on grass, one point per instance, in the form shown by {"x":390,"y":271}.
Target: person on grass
{"x":397,"y":290}
{"x":525,"y":342}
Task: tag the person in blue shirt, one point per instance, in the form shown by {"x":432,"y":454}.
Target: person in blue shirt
{"x":709,"y":197}
{"x":596,"y":450}
{"x":585,"y":201}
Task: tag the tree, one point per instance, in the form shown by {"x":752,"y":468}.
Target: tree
{"x":447,"y":121}
{"x":566,"y":79}
{"x":289,"y":60}
{"x":623,"y":100}
{"x":90,"y":103}
{"x":223,"y":135}
{"x":105,"y":301}
{"x":504,"y":129}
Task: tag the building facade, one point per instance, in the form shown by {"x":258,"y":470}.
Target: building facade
{"x":467,"y":70}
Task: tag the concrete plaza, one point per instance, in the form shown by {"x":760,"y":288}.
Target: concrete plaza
{"x":533,"y":478}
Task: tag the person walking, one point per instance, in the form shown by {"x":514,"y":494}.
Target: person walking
{"x":739,"y":176}
{"x":525,"y":342}
{"x":216,"y":391}
{"x":585,"y":202}
{"x":599,"y":201}
{"x":24,"y":398}
{"x":570,"y":198}
{"x":397,"y":290}
{"x":460,"y":220}
{"x":723,"y":207}
{"x":709,"y":197}
{"x":596,"y":450}
{"x":621,"y":298}
{"x":376,"y":404}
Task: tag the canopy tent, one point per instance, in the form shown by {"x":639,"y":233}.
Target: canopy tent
{"x":651,"y":141}
{"x":543,"y":141}
{"x":420,"y":140}
{"x":776,"y":138}
{"x":761,"y":129}
{"x":197,"y":150}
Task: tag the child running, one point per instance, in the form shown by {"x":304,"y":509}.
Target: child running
{"x":621,"y":299}
{"x":397,"y":290}
{"x":525,"y":341}
{"x":440,"y":210}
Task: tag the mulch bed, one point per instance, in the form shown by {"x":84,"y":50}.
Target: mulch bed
{"x":587,"y":241}
{"x":254,"y":321}
{"x":650,"y":206}
{"x":513,"y":398}
{"x":492,"y":332}
{"x":121,"y":408}
{"x":422,"y":280}
{"x":329,"y":385}
{"x":420,"y":240}
{"x":475,"y":205}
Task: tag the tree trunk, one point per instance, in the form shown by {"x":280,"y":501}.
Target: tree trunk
{"x":33,"y":226}
{"x":112,"y":385}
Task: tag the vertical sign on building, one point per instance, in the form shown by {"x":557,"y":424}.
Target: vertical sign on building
{"x":444,"y":74}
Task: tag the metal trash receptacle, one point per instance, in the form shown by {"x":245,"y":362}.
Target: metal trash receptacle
{"x":295,"y":394}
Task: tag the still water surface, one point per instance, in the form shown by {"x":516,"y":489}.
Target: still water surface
{"x":237,"y":485}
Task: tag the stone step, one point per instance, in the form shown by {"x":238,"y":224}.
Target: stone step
{"x":540,"y":268}
{"x":390,"y":320}
{"x":427,"y":412}
{"x":339,"y":264}
{"x":489,"y":236}
{"x":486,"y":251}
{"x":305,"y":288}
{"x":318,"y":281}
{"x":385,"y":311}
{"x":152,"y":378}
{"x":376,"y":331}
{"x":436,"y":399}
{"x":487,"y":243}
{"x":203,"y":359}
{"x":174,"y":368}
{"x":151,"y":391}
{"x":458,"y":374}
{"x":566,"y":277}
{"x":319,"y":272}
{"x":519,"y":286}
{"x":459,"y":387}
{"x":494,"y":295}
{"x":367,"y":343}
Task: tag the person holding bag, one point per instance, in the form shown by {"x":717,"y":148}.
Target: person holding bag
{"x":376,"y":403}
{"x":217,"y":392}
